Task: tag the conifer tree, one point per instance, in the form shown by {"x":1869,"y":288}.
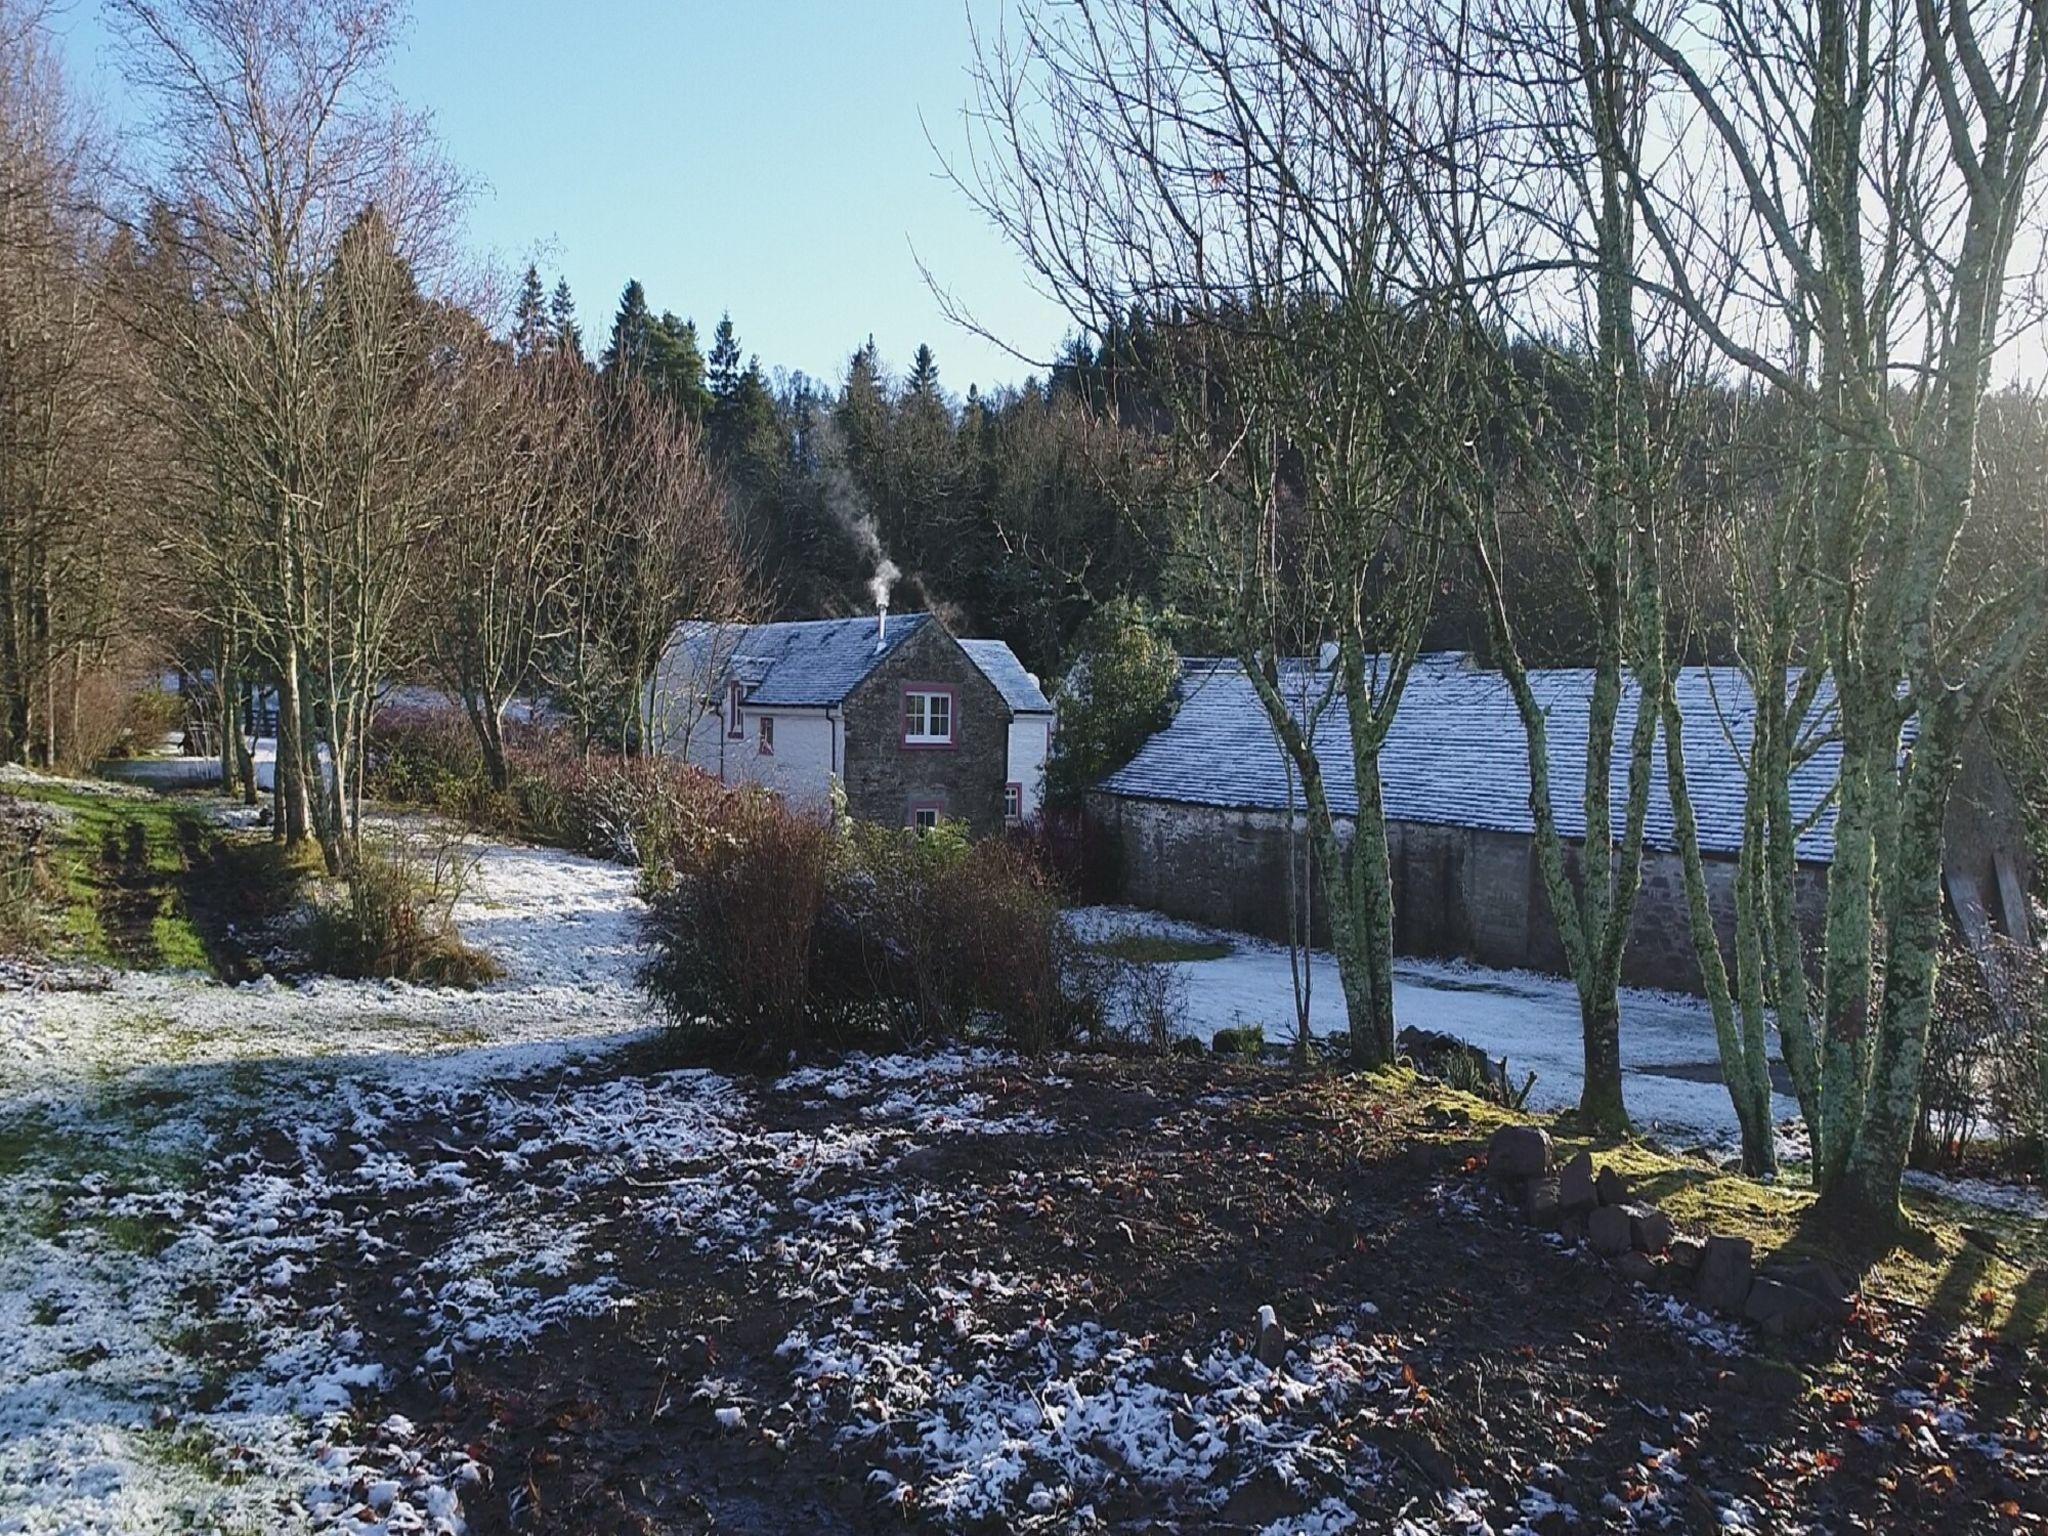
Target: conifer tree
{"x":924,"y":374}
{"x":562,"y":313}
{"x":724,"y":372}
{"x":530,"y":332}
{"x":676,"y":365}
{"x":632,"y":339}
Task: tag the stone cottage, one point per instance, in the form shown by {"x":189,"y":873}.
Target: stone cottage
{"x":1199,"y":820}
{"x":914,"y":724}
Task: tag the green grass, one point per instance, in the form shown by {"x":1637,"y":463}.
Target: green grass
{"x":1151,"y":949}
{"x":118,"y":865}
{"x":148,"y":882}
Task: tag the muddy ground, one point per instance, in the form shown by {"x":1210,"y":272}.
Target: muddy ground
{"x":1099,"y":1245}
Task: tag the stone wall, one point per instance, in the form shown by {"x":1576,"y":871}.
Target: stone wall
{"x":885,"y":779}
{"x":1459,"y":892}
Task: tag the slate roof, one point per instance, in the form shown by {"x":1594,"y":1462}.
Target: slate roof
{"x":816,"y":663}
{"x":1457,"y":755}
{"x":999,"y":664}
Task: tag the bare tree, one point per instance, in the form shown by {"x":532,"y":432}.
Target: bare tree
{"x":72,"y":465}
{"x":1882,"y":162}
{"x":655,"y":545}
{"x":1229,"y":172}
{"x":274,"y":133}
{"x":502,"y":563}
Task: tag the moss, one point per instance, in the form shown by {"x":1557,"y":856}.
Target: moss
{"x":1150,"y":949}
{"x":192,"y":1449}
{"x":1994,"y":1277}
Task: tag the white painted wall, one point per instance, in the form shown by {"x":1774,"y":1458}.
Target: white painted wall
{"x":801,"y":768}
{"x":1030,"y":743}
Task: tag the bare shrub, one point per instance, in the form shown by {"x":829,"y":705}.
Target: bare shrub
{"x":1155,"y":1003}
{"x":396,"y":917}
{"x":24,"y":878}
{"x":735,"y":928}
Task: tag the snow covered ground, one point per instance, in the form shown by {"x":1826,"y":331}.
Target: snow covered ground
{"x":1667,"y":1039}
{"x":156,"y":1367}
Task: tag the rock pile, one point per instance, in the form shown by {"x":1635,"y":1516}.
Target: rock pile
{"x":1643,"y":1244}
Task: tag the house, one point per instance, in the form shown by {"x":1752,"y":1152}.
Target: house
{"x":912,"y":723}
{"x":1199,"y":820}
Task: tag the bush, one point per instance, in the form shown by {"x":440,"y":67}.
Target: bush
{"x":628,"y":809}
{"x":776,"y":931}
{"x":396,"y":916}
{"x":735,"y":927}
{"x":1246,"y":1040}
{"x":1119,"y":691}
{"x":24,"y":881}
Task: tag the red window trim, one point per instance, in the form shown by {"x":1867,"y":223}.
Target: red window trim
{"x":1019,"y":788}
{"x":952,"y":741}
{"x":764,"y":734}
{"x":736,"y":720}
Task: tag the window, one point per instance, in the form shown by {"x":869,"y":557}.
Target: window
{"x":735,"y":722}
{"x":765,"y":730}
{"x":924,"y":818}
{"x":927,"y":716}
{"x":1013,"y":802}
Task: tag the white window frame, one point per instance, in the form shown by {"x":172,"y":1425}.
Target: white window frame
{"x":921,"y":700}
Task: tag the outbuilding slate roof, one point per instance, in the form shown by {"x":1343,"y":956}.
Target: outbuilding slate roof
{"x":816,"y":663}
{"x":1457,"y":755}
{"x":999,"y":664}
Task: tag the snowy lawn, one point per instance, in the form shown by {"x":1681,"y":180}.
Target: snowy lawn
{"x":1671,"y":1064}
{"x":142,"y":1271}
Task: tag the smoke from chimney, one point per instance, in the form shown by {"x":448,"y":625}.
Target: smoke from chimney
{"x":849,"y":509}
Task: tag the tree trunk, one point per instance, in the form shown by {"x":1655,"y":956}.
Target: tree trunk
{"x":1600,"y":1101}
{"x":1913,"y":931}
{"x":1372,"y":915}
{"x":1845,"y":1047}
{"x":295,"y":814}
{"x":1743,"y":1067}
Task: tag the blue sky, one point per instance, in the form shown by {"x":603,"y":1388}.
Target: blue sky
{"x":760,"y":156}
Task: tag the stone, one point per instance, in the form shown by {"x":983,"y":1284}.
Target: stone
{"x":1649,"y":1229}
{"x":1833,"y":1298}
{"x":1518,"y":1152}
{"x":1780,"y":1308}
{"x":1575,"y":1191}
{"x":1539,"y":1202}
{"x":1611,"y":1187}
{"x":1607,"y":1229}
{"x":1725,"y":1273}
{"x":1685,"y":1253}
{"x":1639,"y":1267}
{"x":1272,"y":1346}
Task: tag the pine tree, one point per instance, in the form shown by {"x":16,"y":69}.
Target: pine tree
{"x":632,"y":342}
{"x":924,"y":374}
{"x":562,"y":313}
{"x":530,"y":333}
{"x":725,"y":371}
{"x":676,"y":366}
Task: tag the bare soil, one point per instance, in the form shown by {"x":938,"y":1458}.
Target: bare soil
{"x":1175,"y":1199}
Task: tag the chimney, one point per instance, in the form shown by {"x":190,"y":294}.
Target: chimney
{"x":881,"y":627}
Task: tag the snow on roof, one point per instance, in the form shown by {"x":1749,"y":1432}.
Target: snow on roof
{"x":999,"y":664}
{"x":1456,"y":755}
{"x":807,"y":663}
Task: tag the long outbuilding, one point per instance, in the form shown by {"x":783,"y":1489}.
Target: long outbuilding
{"x":1206,"y":821}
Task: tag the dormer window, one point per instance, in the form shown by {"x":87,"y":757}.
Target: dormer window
{"x":927,"y":716}
{"x":735,"y":722}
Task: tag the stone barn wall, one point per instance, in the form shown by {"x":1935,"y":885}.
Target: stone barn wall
{"x":1459,"y":892}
